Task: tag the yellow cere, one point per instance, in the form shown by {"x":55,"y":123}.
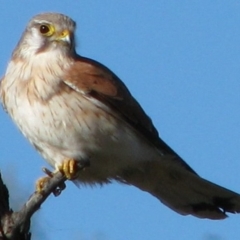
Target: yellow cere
{"x":64,"y":33}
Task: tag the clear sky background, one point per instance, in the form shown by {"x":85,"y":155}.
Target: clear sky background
{"x":181,"y":60}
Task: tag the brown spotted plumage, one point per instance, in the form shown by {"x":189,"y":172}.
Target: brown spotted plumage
{"x":73,"y":110}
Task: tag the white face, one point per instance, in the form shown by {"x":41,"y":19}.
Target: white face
{"x":34,"y":41}
{"x":36,"y":46}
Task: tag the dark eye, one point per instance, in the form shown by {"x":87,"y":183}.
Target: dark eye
{"x":44,"y":29}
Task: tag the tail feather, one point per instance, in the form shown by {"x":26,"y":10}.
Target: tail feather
{"x":182,"y":190}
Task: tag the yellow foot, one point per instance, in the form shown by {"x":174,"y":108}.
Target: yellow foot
{"x":42,"y":182}
{"x":70,"y":168}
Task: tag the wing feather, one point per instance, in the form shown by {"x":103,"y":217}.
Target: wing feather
{"x":97,"y":81}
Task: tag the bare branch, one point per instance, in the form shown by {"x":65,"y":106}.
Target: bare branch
{"x":16,"y":225}
{"x":4,"y":203}
{"x":4,"y":199}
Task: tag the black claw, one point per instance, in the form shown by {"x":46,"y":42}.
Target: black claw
{"x":58,"y":190}
{"x":48,"y":172}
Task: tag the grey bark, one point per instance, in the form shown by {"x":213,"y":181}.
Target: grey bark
{"x":16,"y":225}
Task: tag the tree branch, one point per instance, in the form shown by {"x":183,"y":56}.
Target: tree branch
{"x":16,"y":225}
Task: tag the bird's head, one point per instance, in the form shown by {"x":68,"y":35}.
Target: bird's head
{"x":47,"y":32}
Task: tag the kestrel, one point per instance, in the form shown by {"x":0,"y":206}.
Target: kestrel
{"x":75,"y":110}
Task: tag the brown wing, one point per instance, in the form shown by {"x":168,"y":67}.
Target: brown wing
{"x":97,"y":81}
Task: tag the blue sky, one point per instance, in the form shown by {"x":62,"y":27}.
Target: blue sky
{"x":181,"y":60}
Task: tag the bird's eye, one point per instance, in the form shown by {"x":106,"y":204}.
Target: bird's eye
{"x":46,"y":30}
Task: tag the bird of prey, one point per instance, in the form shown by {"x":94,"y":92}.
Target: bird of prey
{"x":74,"y":110}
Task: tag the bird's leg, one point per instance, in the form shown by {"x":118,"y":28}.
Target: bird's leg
{"x":71,"y":168}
